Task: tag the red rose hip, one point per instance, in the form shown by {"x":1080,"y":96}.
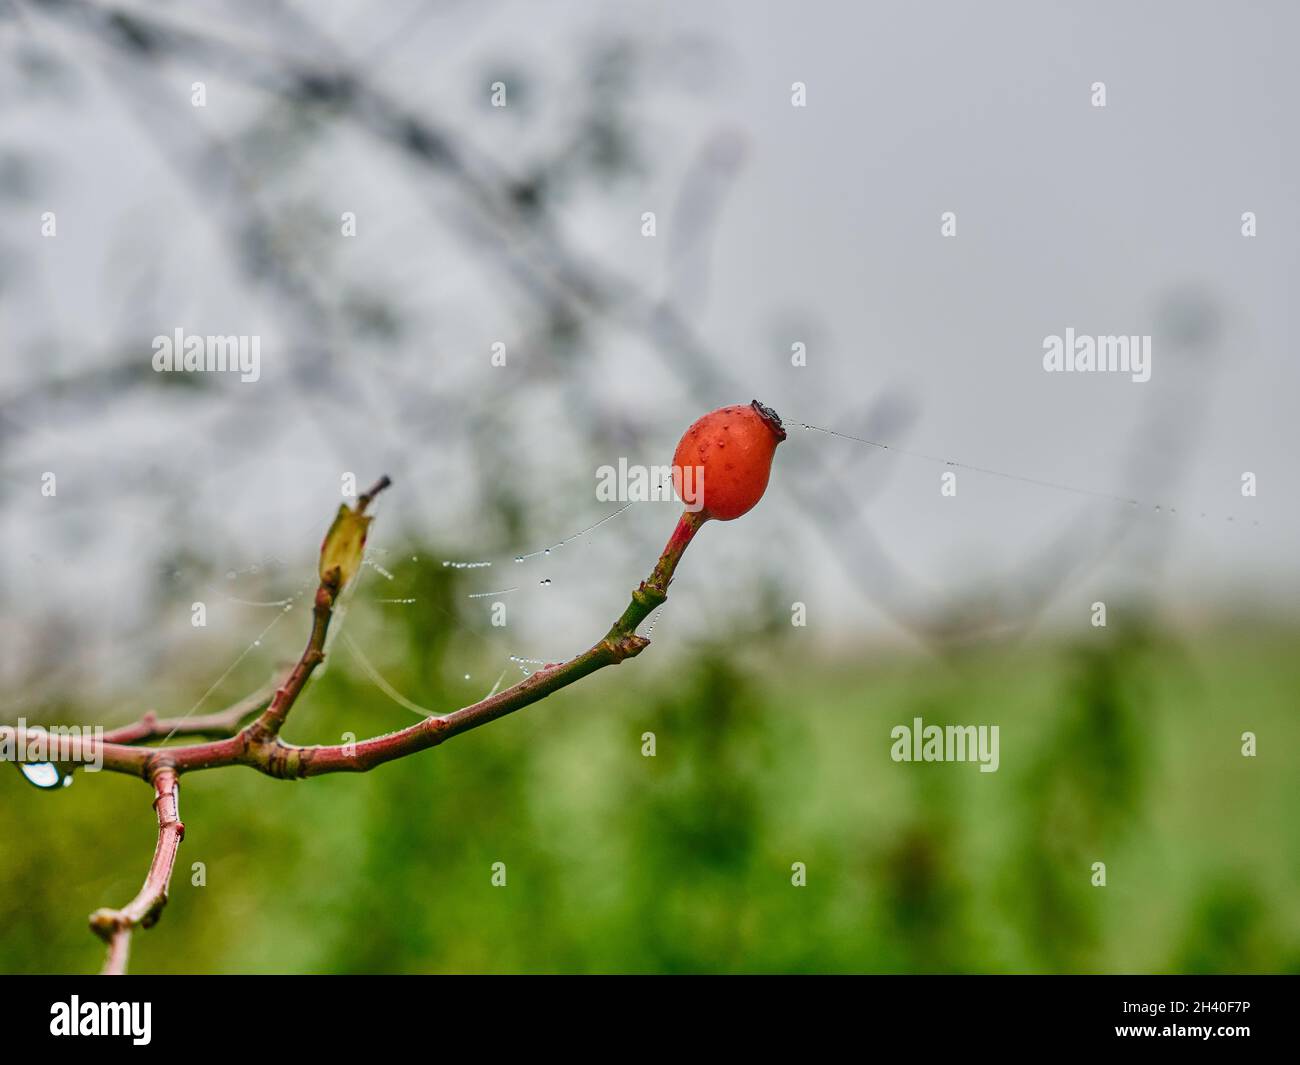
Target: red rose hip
{"x":720,"y":470}
{"x":722,"y":463}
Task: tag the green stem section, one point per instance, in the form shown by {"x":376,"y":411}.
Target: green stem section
{"x":652,"y":592}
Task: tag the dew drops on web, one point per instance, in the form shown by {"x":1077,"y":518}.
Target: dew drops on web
{"x":545,"y":551}
{"x":654,"y":620}
{"x":990,"y":472}
{"x":524,"y":663}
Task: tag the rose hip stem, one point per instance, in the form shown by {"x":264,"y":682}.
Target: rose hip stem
{"x":687,"y":526}
{"x":654,"y":590}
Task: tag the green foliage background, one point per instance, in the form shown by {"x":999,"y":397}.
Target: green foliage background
{"x":1122,"y":748}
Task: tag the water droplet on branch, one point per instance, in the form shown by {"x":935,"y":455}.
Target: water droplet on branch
{"x":45,"y":775}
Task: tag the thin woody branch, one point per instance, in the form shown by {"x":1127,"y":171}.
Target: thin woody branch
{"x":620,"y":642}
{"x":269,"y":722}
{"x":268,"y":725}
{"x":114,"y":927}
{"x":220,"y":723}
{"x":258,"y":745}
{"x":279,"y":759}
